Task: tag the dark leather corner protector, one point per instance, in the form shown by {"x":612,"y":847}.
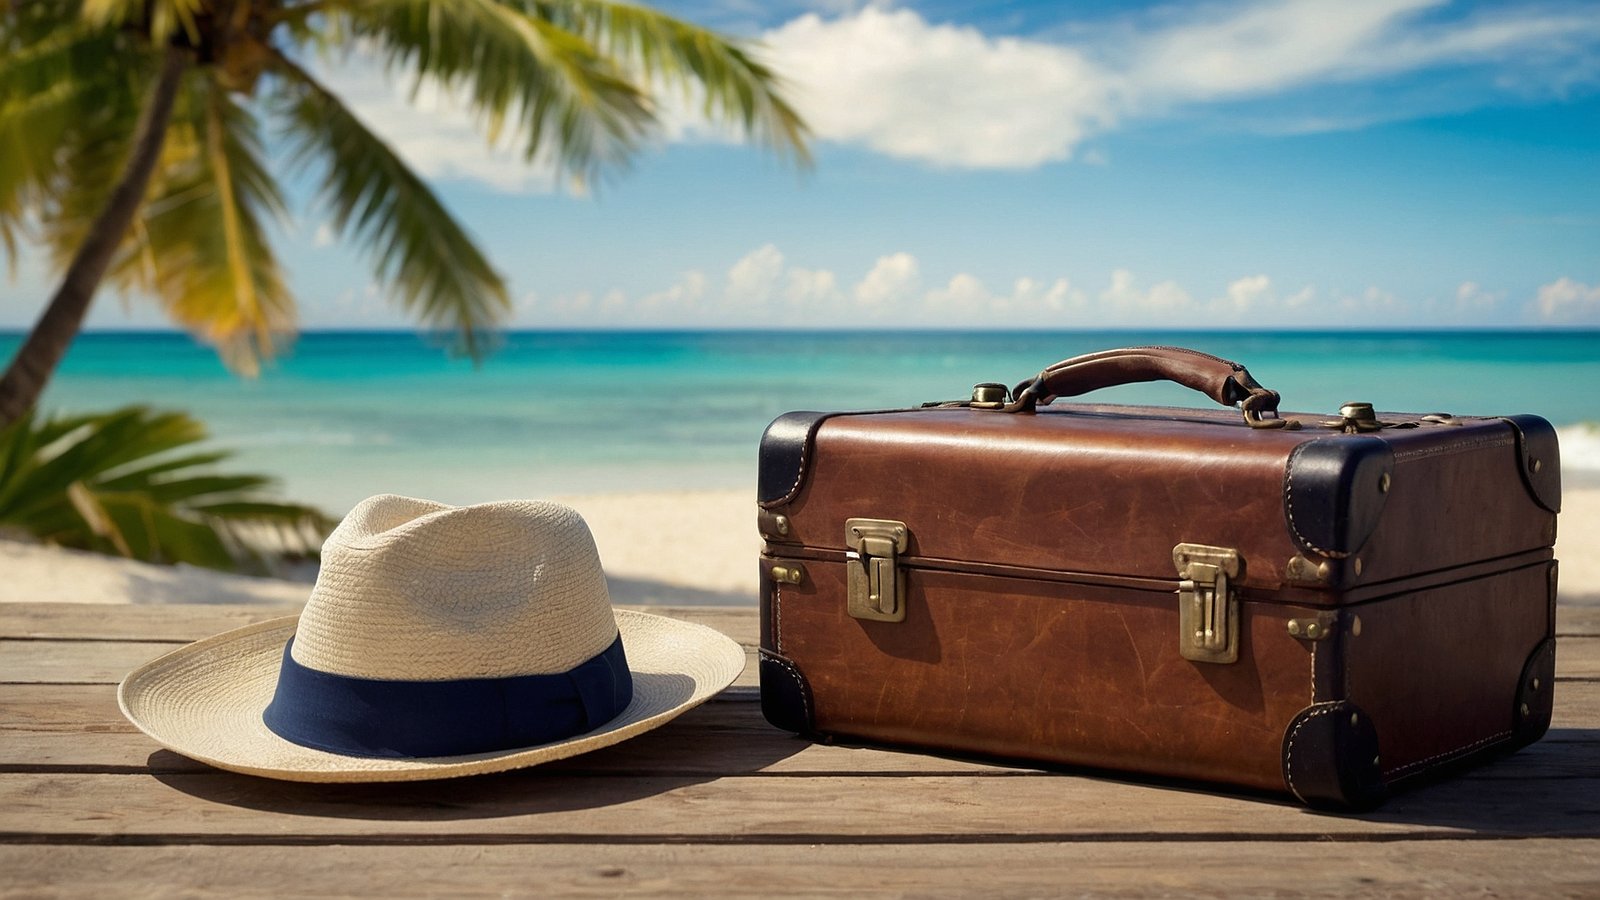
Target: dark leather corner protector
{"x":1333,"y":494}
{"x":1535,"y":695}
{"x":783,"y":452}
{"x":1330,"y":758}
{"x":785,"y":695}
{"x":1536,"y":440}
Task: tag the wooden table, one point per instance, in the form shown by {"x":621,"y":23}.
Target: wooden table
{"x":720,"y":802}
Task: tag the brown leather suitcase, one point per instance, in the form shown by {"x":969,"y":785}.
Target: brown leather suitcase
{"x":1332,"y":606}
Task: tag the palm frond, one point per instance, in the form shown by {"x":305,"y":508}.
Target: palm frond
{"x":550,"y":87}
{"x":59,"y":83}
{"x":200,"y":244}
{"x":129,"y":482}
{"x":417,"y":247}
{"x":723,"y":71}
{"x":164,"y":19}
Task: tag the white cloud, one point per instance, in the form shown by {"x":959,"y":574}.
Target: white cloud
{"x":1300,"y":298}
{"x":324,"y":236}
{"x":944,"y":94}
{"x":753,"y":280}
{"x":432,"y":129}
{"x":810,"y":288}
{"x":892,"y":280}
{"x":1123,"y":297}
{"x":764,"y":289}
{"x":1565,"y":300}
{"x":949,"y":95}
{"x":1250,"y":293}
{"x":1472,"y":298}
{"x":683,"y":295}
{"x":1256,"y":47}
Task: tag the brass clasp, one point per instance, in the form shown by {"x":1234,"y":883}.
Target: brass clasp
{"x":1208,"y":610}
{"x":875,"y":589}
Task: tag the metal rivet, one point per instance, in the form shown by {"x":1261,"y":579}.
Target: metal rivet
{"x":1358,"y":565}
{"x":783,"y":525}
{"x":1535,"y":465}
{"x":1355,"y":720}
{"x":1355,"y":625}
{"x":1383,"y":483}
{"x":1375,"y":763}
{"x":1313,"y":630}
{"x":1294,"y":627}
{"x":788,"y":574}
{"x":1536,"y":684}
{"x":1524,"y":710}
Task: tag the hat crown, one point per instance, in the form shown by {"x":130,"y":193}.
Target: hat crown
{"x":412,"y":590}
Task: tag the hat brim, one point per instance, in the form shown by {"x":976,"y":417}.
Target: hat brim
{"x":205,"y":702}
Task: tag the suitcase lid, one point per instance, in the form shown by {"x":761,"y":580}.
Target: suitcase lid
{"x":1153,"y":496}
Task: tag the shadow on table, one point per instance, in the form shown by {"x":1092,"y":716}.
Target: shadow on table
{"x":718,"y":739}
{"x":1549,"y":788}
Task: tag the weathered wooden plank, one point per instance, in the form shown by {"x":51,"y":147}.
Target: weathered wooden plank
{"x":75,"y":662}
{"x":545,"y":805}
{"x":687,"y":751}
{"x":1576,"y":620}
{"x":182,"y":623}
{"x":106,"y":662}
{"x":1203,"y":869}
{"x":718,"y":738}
{"x":46,"y":725}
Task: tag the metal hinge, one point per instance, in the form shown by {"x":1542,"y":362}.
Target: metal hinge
{"x":875,"y":589}
{"x":1208,"y":610}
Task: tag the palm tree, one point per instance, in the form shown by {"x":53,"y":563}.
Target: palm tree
{"x":131,"y":140}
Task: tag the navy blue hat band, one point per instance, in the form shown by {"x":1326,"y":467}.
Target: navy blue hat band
{"x":405,"y":719}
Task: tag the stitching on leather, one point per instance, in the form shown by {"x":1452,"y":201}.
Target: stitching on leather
{"x":1288,"y":504}
{"x":800,"y":472}
{"x":793,"y":672}
{"x":777,"y":618}
{"x":1288,"y":753}
{"x":1314,"y":672}
{"x":1468,"y":748}
{"x":1485,"y":443}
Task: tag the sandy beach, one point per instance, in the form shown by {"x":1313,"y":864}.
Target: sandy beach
{"x":686,"y":548}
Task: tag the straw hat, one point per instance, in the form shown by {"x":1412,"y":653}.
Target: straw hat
{"x":438,"y":641}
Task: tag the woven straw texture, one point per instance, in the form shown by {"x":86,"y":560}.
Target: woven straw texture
{"x":419,"y":591}
{"x":205,"y":701}
{"x":416,"y":590}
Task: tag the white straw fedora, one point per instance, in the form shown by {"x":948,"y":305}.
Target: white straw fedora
{"x":439,"y":641}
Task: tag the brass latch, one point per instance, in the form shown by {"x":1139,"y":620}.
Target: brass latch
{"x":875,"y":589}
{"x":1208,"y":610}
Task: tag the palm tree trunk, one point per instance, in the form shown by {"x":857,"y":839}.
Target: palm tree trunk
{"x":39,"y":355}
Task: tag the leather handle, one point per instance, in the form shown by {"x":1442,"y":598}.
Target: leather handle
{"x":1226,"y":382}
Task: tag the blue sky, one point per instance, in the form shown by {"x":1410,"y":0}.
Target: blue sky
{"x":1364,"y":164}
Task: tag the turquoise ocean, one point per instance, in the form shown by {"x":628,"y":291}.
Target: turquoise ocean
{"x":343,"y":415}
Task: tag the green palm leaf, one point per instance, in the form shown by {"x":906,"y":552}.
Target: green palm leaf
{"x":181,"y":212}
{"x":201,"y":243}
{"x":551,"y":85}
{"x":128,"y":482}
{"x":419,"y":250}
{"x":732,"y":84}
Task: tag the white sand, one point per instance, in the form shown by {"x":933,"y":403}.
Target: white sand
{"x":692,"y":547}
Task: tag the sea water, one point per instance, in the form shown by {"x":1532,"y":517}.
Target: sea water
{"x":343,"y":415}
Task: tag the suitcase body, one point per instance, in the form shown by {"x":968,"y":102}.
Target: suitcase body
{"x":1328,"y":606}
